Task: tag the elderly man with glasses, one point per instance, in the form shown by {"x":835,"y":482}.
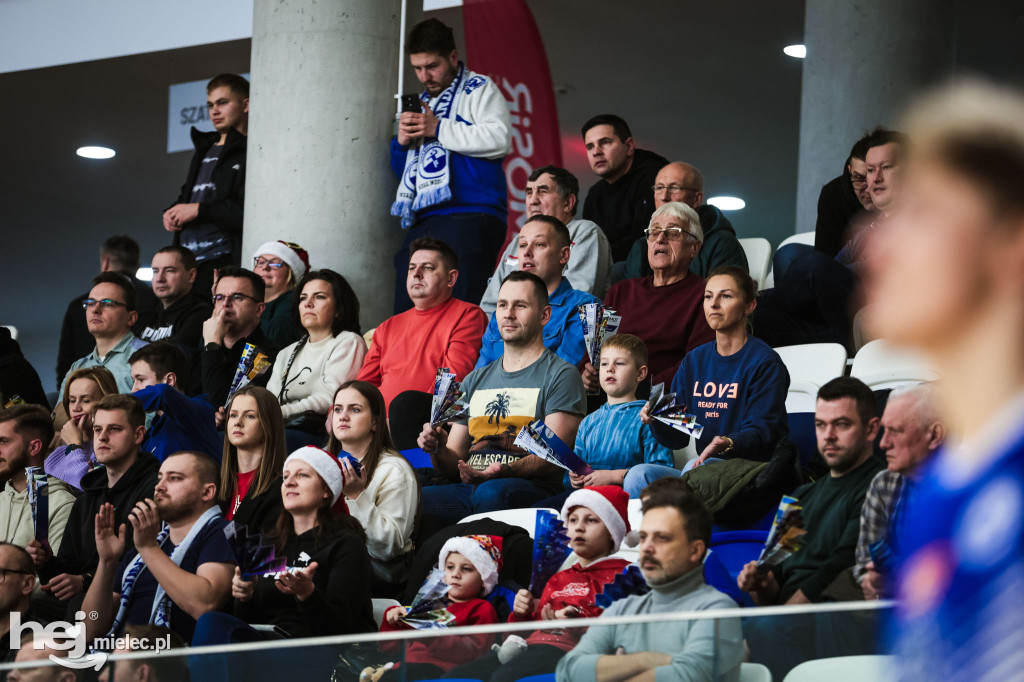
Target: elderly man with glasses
{"x":237,"y":307}
{"x":110,"y":313}
{"x":682,"y":182}
{"x":666,"y":308}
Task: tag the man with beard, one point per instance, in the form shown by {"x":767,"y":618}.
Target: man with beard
{"x":125,"y":477}
{"x":25,"y":431}
{"x":674,"y":537}
{"x":182,"y":565}
{"x":846,"y":422}
{"x":479,"y":467}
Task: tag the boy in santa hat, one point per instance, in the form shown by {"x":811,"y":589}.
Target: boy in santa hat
{"x":596,"y":522}
{"x":471,"y":564}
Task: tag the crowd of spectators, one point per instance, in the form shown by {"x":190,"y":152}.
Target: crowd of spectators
{"x":151,"y":450}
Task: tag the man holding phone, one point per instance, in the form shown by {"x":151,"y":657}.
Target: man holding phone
{"x":451,"y":142}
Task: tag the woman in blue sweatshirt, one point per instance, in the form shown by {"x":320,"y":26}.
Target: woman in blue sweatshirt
{"x":736,"y":385}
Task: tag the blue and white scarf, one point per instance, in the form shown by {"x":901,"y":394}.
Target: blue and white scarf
{"x":425,"y":181}
{"x":161,"y":611}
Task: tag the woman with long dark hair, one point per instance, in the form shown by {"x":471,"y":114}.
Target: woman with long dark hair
{"x":383,"y":493}
{"x":308,"y":372}
{"x":324,"y":590}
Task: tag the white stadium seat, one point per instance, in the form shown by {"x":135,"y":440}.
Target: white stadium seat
{"x":759,"y":258}
{"x":881,"y":365}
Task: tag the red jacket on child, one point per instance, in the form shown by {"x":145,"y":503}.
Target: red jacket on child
{"x":448,"y":652}
{"x":575,"y":586}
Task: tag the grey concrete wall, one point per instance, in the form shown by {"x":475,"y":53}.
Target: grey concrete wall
{"x":323,"y":76}
{"x":865,"y":59}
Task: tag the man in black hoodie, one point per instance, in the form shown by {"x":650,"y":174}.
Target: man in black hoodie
{"x":206,"y":218}
{"x":182,"y":311}
{"x":126,"y":477}
{"x":627,"y":175}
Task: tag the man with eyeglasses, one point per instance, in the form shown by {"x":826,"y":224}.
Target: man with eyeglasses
{"x":616,"y":200}
{"x":17,"y":581}
{"x":110,"y":313}
{"x":119,"y":253}
{"x":843,"y":203}
{"x":813,"y":300}
{"x":666,"y":308}
{"x":25,"y":434}
{"x":682,"y":182}
{"x":237,"y":307}
{"x":182,"y":311}
{"x":842,"y":198}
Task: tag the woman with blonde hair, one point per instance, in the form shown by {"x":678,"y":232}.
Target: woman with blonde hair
{"x":254,"y":453}
{"x":74,"y":456}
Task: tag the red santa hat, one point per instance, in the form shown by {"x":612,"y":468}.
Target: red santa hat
{"x":325,"y":465}
{"x":483,"y":551}
{"x":609,"y":503}
{"x":293,"y":255}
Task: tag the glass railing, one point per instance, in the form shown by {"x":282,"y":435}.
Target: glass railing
{"x":745,"y":645}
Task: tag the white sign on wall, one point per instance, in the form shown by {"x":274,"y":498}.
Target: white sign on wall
{"x":186,"y":108}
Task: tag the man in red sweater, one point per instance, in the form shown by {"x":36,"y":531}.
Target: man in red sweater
{"x":439,"y":331}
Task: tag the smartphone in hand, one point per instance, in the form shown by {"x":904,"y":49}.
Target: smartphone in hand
{"x":411,"y":104}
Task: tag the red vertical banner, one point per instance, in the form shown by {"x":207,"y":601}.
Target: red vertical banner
{"x":503,"y":43}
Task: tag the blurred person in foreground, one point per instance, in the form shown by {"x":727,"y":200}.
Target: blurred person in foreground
{"x":948,"y":279}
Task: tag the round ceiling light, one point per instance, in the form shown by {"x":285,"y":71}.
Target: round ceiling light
{"x":798,"y":51}
{"x":95,"y":152}
{"x":727,"y":203}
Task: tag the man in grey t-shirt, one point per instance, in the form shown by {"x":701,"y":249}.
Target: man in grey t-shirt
{"x":483,"y":470}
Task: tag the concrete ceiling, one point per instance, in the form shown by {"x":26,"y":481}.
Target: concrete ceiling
{"x":704,"y":82}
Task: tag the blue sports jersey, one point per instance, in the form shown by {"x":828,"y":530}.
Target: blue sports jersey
{"x":961,"y":571}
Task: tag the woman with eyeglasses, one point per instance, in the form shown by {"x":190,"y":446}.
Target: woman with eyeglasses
{"x":666,"y":308}
{"x":308,"y":372}
{"x":281,"y":264}
{"x":254,"y":452}
{"x":74,"y":457}
{"x":736,"y":385}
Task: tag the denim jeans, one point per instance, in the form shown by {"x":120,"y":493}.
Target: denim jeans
{"x":447,"y":504}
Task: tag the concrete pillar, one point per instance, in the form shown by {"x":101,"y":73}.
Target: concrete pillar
{"x":321,"y":114}
{"x":865,"y":58}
